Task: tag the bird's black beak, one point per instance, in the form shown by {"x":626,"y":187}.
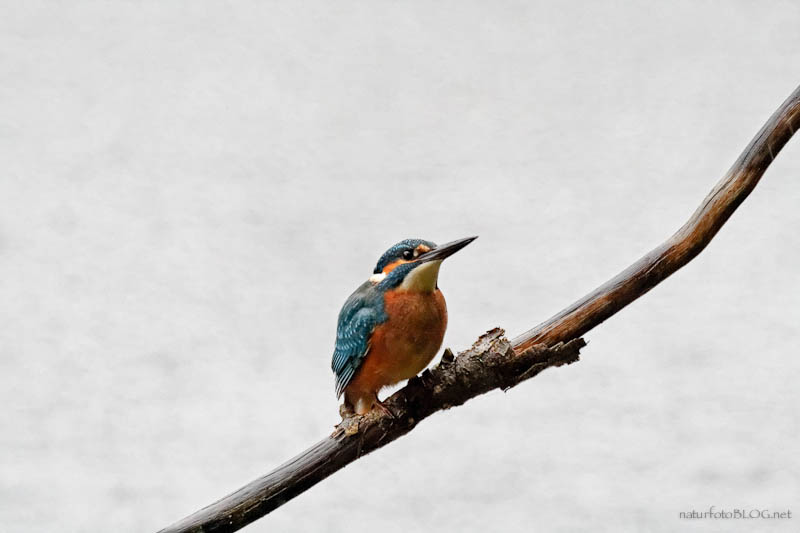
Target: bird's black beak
{"x":445,"y":250}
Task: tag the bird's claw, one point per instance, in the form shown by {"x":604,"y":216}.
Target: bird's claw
{"x":385,"y":410}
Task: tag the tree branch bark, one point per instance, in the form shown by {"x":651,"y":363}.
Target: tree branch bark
{"x":494,"y":362}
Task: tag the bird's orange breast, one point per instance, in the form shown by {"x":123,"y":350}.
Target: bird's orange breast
{"x":402,"y":346}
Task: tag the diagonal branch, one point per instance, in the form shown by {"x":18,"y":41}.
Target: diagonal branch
{"x":491,"y":363}
{"x":494,"y":362}
{"x":690,"y":240}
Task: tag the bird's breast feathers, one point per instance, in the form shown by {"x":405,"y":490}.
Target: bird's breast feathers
{"x":386,"y":336}
{"x":405,"y":344}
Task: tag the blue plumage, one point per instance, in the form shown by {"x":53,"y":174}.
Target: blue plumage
{"x":403,"y":344}
{"x":361,"y":313}
{"x":364,"y":311}
{"x":396,"y":252}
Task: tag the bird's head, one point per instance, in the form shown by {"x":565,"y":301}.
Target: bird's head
{"x":413,"y":264}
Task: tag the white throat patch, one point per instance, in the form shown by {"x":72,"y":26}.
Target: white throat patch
{"x":377,"y":278}
{"x":423,"y":278}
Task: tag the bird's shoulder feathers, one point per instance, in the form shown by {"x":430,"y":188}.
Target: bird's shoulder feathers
{"x":361,"y":313}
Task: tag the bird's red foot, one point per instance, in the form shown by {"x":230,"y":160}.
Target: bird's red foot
{"x":382,"y":408}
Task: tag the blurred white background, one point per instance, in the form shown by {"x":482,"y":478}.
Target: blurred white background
{"x":191,"y":190}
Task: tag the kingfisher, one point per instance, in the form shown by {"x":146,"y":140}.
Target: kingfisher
{"x":391,"y":327}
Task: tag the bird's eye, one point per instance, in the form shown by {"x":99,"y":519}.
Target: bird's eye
{"x":408,"y":255}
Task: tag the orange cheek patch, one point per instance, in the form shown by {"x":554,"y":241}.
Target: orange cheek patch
{"x":391,"y":266}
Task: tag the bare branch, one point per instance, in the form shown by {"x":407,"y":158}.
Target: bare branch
{"x":690,"y":240}
{"x":491,"y":363}
{"x":494,"y":362}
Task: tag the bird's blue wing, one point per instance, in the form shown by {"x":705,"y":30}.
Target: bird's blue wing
{"x":361,"y":313}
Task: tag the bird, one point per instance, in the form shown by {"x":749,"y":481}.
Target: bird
{"x":393,"y":325}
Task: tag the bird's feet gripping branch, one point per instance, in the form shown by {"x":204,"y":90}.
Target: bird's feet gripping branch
{"x":391,"y":327}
